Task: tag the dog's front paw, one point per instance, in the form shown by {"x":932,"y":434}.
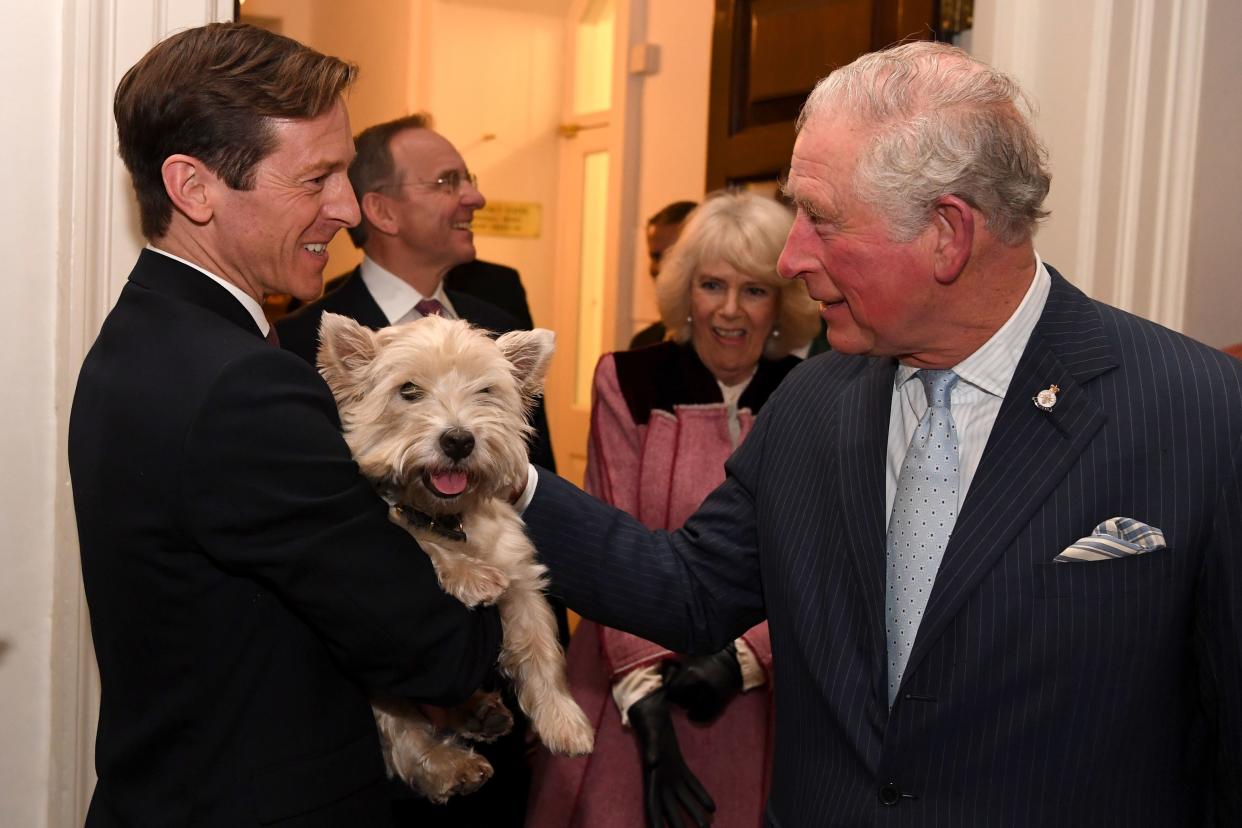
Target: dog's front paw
{"x":477,"y":584}
{"x":564,"y":729}
{"x":485,"y":718}
{"x":451,"y":770}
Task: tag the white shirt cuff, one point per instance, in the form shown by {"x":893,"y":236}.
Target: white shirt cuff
{"x":532,"y":480}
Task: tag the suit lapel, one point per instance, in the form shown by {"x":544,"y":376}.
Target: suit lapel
{"x":352,"y":299}
{"x":1028,"y":452}
{"x":861,"y":449}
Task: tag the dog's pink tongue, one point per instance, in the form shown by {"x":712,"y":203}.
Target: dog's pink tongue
{"x":449,"y":482}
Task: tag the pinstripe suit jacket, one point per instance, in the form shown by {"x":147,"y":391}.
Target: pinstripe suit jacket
{"x":1105,"y":693}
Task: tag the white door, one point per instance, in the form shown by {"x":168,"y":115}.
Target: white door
{"x":597,"y":207}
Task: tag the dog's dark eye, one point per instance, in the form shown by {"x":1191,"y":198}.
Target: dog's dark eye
{"x":486,"y":391}
{"x":411,"y":392}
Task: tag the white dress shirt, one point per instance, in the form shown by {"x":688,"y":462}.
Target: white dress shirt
{"x":395,"y":297}
{"x":976,"y":398}
{"x":247,"y":301}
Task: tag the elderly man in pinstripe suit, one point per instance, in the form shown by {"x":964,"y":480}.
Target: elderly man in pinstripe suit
{"x":997,"y":532}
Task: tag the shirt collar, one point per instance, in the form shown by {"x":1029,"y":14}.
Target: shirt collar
{"x":992,"y":366}
{"x":247,"y":301}
{"x":394,"y":295}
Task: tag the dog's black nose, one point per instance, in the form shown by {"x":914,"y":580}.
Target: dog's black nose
{"x":457,"y":443}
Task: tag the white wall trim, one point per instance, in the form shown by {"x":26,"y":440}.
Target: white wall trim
{"x":1093,"y":146}
{"x":1133,"y":175}
{"x":1179,"y":139}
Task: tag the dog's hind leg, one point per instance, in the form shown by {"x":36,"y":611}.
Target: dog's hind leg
{"x":532,"y":656}
{"x":435,"y":766}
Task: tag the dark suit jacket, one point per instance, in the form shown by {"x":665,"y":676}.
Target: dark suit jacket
{"x":246,"y":588}
{"x":299,"y":333}
{"x":495,"y":284}
{"x":1037,"y":693}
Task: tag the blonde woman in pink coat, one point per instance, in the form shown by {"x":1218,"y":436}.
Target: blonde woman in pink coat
{"x":679,"y":737}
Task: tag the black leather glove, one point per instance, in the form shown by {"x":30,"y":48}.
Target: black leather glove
{"x":704,"y":684}
{"x":670,"y":790}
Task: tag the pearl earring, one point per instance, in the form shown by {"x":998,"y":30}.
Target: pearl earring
{"x":776,"y":333}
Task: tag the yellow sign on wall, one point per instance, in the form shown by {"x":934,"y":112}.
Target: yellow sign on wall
{"x":514,"y":219}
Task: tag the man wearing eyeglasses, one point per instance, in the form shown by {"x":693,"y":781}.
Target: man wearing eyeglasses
{"x":417,"y":200}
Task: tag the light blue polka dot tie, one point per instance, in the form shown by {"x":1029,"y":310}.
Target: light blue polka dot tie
{"x":924,"y":512}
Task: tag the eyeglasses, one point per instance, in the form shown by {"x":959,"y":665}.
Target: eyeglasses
{"x":449,"y":183}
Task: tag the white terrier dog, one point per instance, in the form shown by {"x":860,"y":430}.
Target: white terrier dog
{"x":434,"y":412}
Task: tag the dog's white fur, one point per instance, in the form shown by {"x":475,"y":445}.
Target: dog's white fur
{"x":399,"y":390}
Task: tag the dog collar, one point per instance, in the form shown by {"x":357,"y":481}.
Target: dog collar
{"x":448,"y":526}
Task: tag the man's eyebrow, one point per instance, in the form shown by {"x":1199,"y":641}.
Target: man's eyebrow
{"x":323,"y":166}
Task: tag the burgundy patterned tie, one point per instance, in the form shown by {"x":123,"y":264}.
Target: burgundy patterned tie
{"x":430,"y":307}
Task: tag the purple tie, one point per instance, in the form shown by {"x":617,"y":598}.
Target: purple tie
{"x":272,"y":338}
{"x":430,"y":307}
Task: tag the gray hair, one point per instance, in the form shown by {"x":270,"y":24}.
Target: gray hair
{"x":942,"y":123}
{"x":747,"y":232}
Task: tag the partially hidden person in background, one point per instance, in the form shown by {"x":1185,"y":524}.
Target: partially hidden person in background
{"x":663,"y":421}
{"x":663,"y":228}
{"x":246,"y":588}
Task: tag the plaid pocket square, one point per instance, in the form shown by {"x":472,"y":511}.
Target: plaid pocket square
{"x":1117,"y":537}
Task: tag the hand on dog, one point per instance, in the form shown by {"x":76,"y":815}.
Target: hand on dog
{"x":703,"y":685}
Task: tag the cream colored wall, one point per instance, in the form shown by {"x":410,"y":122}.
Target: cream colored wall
{"x":28,"y":443}
{"x":673,"y":163}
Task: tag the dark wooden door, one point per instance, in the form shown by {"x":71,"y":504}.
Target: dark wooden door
{"x":767,"y":56}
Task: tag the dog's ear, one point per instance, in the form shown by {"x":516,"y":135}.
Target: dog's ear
{"x":529,"y":352}
{"x":345,"y":350}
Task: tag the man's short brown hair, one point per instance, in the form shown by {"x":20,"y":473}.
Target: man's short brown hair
{"x":211,"y":93}
{"x":373,"y":168}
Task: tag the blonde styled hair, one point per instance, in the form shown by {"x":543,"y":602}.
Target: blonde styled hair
{"x":746,"y":232}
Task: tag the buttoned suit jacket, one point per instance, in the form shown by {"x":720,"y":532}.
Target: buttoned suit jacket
{"x":1037,"y":693}
{"x":246,"y":588}
{"x":299,"y":333}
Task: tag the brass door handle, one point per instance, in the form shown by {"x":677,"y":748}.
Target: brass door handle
{"x":572,"y":130}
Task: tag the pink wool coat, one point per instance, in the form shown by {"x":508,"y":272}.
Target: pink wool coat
{"x":659,"y":441}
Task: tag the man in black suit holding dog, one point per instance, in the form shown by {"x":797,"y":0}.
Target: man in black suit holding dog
{"x":247,"y":591}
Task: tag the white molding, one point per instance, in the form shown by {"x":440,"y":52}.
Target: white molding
{"x":1130,"y":203}
{"x":1093,"y":146}
{"x":1179,"y":140}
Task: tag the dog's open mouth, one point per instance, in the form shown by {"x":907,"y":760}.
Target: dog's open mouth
{"x":445,"y":482}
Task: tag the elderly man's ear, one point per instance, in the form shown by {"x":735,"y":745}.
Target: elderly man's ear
{"x":379,"y":212}
{"x":188,"y":183}
{"x":954,"y":223}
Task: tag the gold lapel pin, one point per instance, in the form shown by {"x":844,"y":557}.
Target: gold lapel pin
{"x":1047,"y":398}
